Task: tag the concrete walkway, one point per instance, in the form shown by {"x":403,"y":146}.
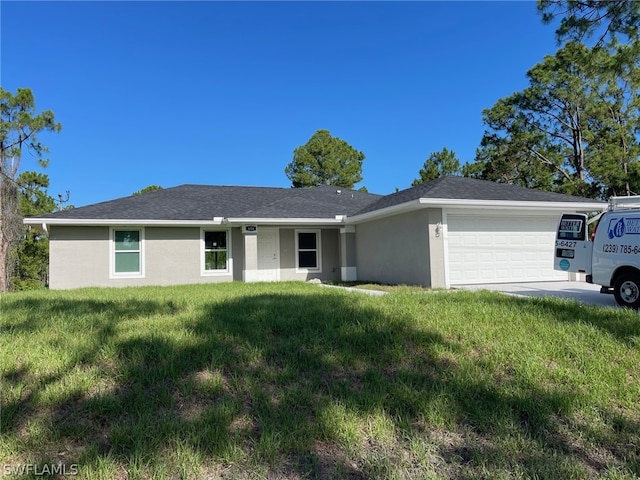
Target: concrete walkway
{"x":376,"y":293}
{"x":580,"y":291}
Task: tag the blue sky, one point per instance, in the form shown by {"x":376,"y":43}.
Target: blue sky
{"x":169,"y":93}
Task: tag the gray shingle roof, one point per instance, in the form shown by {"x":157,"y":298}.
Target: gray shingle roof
{"x":453,"y":188}
{"x":203,"y":202}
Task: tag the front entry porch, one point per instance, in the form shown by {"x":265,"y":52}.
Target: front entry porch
{"x":278,"y":253}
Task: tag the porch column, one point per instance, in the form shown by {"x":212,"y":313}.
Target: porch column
{"x":348,"y":268}
{"x":436,"y":248}
{"x":250,"y":267}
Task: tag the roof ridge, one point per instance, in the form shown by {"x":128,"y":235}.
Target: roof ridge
{"x":205,"y":185}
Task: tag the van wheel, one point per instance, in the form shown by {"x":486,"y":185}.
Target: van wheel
{"x":627,"y":290}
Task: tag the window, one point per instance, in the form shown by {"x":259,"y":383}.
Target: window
{"x":308,"y":250}
{"x":571,"y":227}
{"x":216,"y":251}
{"x":127,"y":252}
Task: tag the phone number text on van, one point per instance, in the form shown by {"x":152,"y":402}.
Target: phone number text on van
{"x":628,"y":249}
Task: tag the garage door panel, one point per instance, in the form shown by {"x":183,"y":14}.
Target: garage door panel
{"x":500,"y":240}
{"x":494,"y":249}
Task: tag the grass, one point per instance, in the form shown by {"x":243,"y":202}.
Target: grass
{"x":294,"y":381}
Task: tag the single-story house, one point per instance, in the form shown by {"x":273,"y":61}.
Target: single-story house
{"x":447,"y":232}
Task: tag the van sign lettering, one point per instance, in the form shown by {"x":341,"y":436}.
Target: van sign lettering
{"x":565,"y":264}
{"x":570,"y":228}
{"x":570,"y":225}
{"x":623,"y":226}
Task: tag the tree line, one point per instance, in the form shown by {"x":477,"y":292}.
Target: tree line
{"x":575,"y":129}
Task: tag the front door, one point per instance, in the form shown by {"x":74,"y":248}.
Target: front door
{"x":268,"y":255}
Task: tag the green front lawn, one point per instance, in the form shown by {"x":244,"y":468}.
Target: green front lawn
{"x":294,"y":381}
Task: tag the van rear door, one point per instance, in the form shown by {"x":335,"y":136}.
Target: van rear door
{"x":573,"y":249}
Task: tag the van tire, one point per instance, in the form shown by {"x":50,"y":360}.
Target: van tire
{"x":627,"y":290}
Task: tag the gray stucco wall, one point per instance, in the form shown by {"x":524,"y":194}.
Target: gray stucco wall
{"x":395,"y":250}
{"x":349,"y":248}
{"x":80,"y":257}
{"x":330,"y":250}
{"x":287,"y":251}
{"x":237,"y":250}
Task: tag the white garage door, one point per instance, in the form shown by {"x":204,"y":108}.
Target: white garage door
{"x":498,"y":249}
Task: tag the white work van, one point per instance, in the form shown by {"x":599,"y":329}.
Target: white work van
{"x":610,"y":256}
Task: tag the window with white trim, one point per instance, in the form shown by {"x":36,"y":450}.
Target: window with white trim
{"x":215,"y":256}
{"x":308,"y":256}
{"x":127,"y":252}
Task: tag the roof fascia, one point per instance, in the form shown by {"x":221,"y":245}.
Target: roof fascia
{"x":338,"y":220}
{"x":118,"y":221}
{"x":515,"y":205}
{"x":478,"y":204}
{"x":234,"y":221}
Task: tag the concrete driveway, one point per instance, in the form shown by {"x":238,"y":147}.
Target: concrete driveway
{"x":580,"y":291}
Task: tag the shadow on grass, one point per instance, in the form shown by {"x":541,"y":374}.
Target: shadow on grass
{"x":42,"y":313}
{"x":31,"y":316}
{"x":275,"y":382}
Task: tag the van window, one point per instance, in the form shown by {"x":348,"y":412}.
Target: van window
{"x":572,"y":227}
